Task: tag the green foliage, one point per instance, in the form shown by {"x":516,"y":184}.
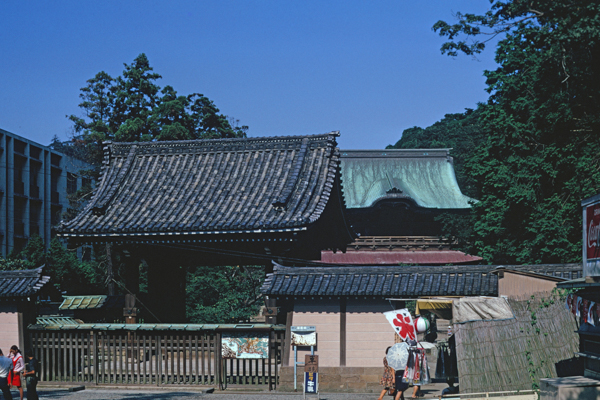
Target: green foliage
{"x":460,"y":132}
{"x":538,"y":157}
{"x":133,"y":107}
{"x":70,"y":275}
{"x":224,"y":294}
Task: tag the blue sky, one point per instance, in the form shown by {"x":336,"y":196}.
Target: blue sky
{"x":369,"y":69}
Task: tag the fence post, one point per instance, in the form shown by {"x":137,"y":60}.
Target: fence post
{"x":159,"y":361}
{"x":95,"y":358}
{"x":218,"y":358}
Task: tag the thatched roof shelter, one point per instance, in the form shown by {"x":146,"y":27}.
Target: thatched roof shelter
{"x":514,"y":354}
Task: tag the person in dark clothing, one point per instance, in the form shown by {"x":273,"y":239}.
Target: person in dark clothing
{"x":31,"y":375}
{"x":400,"y":386}
{"x":6,"y":366}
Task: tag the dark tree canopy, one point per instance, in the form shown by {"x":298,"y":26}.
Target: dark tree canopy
{"x":541,"y":126}
{"x":133,"y":107}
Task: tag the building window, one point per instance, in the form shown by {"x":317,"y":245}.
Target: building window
{"x":71,"y":183}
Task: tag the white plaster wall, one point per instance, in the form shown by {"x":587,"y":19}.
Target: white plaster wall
{"x":368,"y":333}
{"x":9,"y":328}
{"x":324,"y":314}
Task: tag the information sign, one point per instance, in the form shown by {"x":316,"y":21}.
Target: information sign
{"x":311,"y":383}
{"x":311,"y":363}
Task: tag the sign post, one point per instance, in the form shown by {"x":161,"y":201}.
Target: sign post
{"x":311,"y":374}
{"x":302,"y":336}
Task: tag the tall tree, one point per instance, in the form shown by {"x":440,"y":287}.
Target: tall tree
{"x":133,"y":107}
{"x":542,"y":126}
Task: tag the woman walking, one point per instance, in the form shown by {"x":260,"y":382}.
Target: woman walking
{"x":392,"y":380}
{"x":18,"y":367}
{"x":387,"y":380}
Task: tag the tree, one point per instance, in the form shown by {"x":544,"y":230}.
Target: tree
{"x":224,"y":295}
{"x":460,"y":132}
{"x":541,"y":122}
{"x":69,"y":275}
{"x":133,"y":107}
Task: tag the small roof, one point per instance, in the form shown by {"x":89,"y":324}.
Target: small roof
{"x":209,"y":187}
{"x":82,"y":302}
{"x":56,"y":320}
{"x":345,"y":280}
{"x":557,"y":272}
{"x":423,"y":176}
{"x":155,"y":327}
{"x":429,"y":257}
{"x":22,"y":283}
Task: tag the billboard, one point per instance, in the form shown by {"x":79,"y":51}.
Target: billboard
{"x":245,"y":345}
{"x":591,"y":236}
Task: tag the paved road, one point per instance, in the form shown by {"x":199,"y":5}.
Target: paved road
{"x":118,"y":394}
{"x":431,"y":391}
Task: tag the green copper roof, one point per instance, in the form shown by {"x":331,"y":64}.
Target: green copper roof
{"x":82,"y":302}
{"x":425,"y":176}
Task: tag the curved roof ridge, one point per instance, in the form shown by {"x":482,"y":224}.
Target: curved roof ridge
{"x":131,"y":198}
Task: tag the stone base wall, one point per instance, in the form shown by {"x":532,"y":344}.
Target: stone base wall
{"x":335,"y":379}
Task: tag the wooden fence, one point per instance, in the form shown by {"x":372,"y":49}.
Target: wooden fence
{"x":138,"y":357}
{"x":514,"y":354}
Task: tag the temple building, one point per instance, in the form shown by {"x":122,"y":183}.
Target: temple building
{"x":393,"y":198}
{"x":214,"y":202}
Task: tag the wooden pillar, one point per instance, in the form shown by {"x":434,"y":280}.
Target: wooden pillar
{"x":287,"y":343}
{"x":166,"y":286}
{"x":342,"y":331}
{"x":110,"y":276}
{"x":132,"y":261}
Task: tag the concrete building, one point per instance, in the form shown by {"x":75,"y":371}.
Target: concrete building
{"x":34,"y":183}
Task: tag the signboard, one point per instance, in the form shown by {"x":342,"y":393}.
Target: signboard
{"x":592,"y":243}
{"x":311,"y":363}
{"x":311,"y":383}
{"x":591,"y":236}
{"x":303,"y":336}
{"x":245,"y":345}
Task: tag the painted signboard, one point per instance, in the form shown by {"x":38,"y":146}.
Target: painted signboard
{"x":245,"y":345}
{"x":311,"y":383}
{"x":591,"y":236}
{"x":303,"y":336}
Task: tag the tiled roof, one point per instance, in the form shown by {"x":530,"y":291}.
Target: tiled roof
{"x":82,"y":302}
{"x":429,"y":257}
{"x":49,"y":325}
{"x":563,"y":271}
{"x":88,"y":302}
{"x":56,"y":320}
{"x":22,"y":283}
{"x":395,"y":281}
{"x":423,"y":176}
{"x":220,"y":186}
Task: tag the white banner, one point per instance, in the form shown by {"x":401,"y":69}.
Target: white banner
{"x":402,"y":323}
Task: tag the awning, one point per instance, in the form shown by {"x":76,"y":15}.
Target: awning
{"x":440,"y":307}
{"x":467,"y":309}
